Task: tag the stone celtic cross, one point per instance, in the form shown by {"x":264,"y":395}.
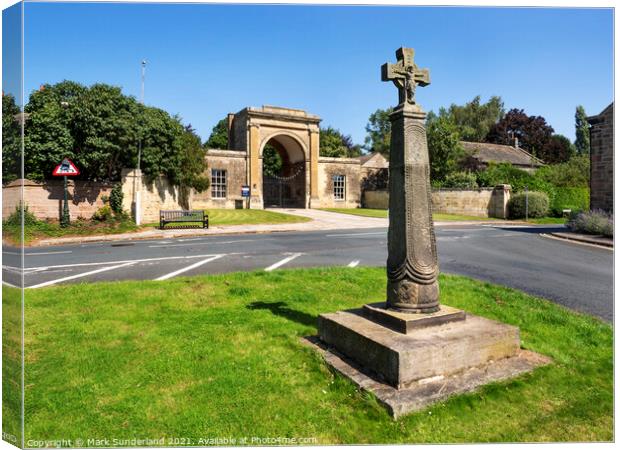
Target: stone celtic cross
{"x":405,"y":75}
{"x":412,"y":266}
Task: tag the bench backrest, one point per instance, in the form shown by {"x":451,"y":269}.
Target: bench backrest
{"x":197,"y":214}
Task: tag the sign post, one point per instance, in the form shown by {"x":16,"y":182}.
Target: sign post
{"x":65,"y":169}
{"x":245,"y":193}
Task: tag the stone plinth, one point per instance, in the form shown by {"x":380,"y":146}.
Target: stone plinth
{"x":406,"y":322}
{"x":401,"y":359}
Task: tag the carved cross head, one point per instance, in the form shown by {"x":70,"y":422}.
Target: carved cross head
{"x":405,"y":75}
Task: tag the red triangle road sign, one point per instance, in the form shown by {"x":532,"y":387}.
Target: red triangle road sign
{"x":66,"y":169}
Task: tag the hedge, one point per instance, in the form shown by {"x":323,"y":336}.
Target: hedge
{"x":573,"y":198}
{"x":537,"y":203}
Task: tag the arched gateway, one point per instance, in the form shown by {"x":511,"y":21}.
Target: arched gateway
{"x":289,"y":135}
{"x":274,"y":152}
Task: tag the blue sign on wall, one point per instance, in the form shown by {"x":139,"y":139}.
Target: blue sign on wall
{"x":245,"y":191}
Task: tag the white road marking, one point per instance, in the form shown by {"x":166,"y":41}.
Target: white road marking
{"x":190,"y":267}
{"x":40,"y":253}
{"x":203,"y":243}
{"x":282,"y":262}
{"x":6,"y":283}
{"x":354,"y":234}
{"x":354,"y":263}
{"x":79,"y":275}
{"x":102,"y":263}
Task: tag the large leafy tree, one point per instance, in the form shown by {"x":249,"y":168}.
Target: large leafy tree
{"x":379,"y":132}
{"x":474,"y":120}
{"x":219,"y":136}
{"x":582,"y":132}
{"x":557,"y":150}
{"x":533,"y":132}
{"x":335,"y":144}
{"x":444,"y":148}
{"x":101,"y":129}
{"x":11,"y":140}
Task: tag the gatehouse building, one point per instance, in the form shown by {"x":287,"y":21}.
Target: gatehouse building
{"x":306,"y":180}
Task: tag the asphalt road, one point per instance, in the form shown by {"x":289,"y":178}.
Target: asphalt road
{"x":576,"y":276}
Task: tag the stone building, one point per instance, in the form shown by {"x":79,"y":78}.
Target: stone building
{"x":602,"y":160}
{"x":307,"y":180}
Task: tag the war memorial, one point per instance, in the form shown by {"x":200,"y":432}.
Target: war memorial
{"x":412,"y":351}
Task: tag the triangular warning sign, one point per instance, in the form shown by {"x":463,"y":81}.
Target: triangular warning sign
{"x":65,"y":169}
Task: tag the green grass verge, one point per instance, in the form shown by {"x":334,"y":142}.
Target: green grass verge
{"x":438,"y":217}
{"x":223,"y":217}
{"x":548,"y":220}
{"x":11,"y":364}
{"x":44,"y":229}
{"x":220,"y":356}
{"x":217,"y":217}
{"x":383,"y":213}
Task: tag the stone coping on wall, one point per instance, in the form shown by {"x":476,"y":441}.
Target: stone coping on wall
{"x":331,"y":159}
{"x":25,"y":182}
{"x":226,"y":153}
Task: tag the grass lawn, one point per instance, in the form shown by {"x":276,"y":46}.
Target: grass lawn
{"x":220,"y":356}
{"x":218,"y":217}
{"x":383,"y":213}
{"x":44,"y":229}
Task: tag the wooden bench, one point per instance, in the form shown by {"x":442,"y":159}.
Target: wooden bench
{"x":194,"y":218}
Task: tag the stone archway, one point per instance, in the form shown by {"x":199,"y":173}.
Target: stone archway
{"x":283,"y":173}
{"x":295,"y":136}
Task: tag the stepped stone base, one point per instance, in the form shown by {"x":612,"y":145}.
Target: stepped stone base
{"x":436,"y":355}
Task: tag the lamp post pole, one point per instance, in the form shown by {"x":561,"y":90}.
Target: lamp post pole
{"x":138,"y":175}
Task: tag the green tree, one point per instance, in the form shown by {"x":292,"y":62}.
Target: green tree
{"x":11,"y":140}
{"x":378,"y":132}
{"x":558,"y":149}
{"x":444,"y":148}
{"x":219,"y":136}
{"x":193,"y":161}
{"x":473,"y":120}
{"x":272,"y":161}
{"x":335,"y":144}
{"x":582,"y":131}
{"x":533,"y":132}
{"x":100,"y":129}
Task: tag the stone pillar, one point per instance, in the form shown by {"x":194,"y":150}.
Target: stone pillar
{"x":412,"y":267}
{"x":499,"y":201}
{"x":314,"y":167}
{"x":256,"y":194}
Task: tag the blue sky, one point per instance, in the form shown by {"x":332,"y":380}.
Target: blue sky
{"x":207,"y":60}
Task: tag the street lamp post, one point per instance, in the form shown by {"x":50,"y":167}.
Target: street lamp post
{"x":138,"y":182}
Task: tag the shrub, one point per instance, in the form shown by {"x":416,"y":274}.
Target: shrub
{"x":573,"y":173}
{"x":103,"y":214}
{"x":460,"y":180}
{"x":518,"y":179}
{"x":573,"y":198}
{"x":116,"y":198}
{"x":592,"y":222}
{"x":537,"y":205}
{"x":15,"y":218}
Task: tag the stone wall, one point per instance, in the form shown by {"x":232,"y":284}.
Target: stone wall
{"x":235,"y":163}
{"x":602,"y":160}
{"x":154,"y":196}
{"x":45,"y":200}
{"x":327,"y":168}
{"x":484,"y":202}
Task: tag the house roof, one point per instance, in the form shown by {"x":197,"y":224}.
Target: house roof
{"x":601,"y":116}
{"x":486,"y":152}
{"x":373,"y":160}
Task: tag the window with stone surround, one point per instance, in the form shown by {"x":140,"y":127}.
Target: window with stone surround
{"x":218,"y":183}
{"x":339,"y":187}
